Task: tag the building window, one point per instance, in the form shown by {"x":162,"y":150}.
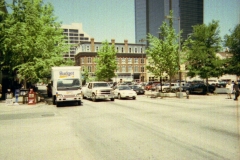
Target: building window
{"x":129,"y":60}
{"x":141,"y":50}
{"x":88,"y":48}
{"x":123,"y":68}
{"x":118,"y":69}
{"x":129,"y":69}
{"x":135,"y":50}
{"x":123,"y":60}
{"x":89,"y":68}
{"x":122,"y":50}
{"x":96,"y":49}
{"x":135,"y":68}
{"x":135,"y":60}
{"x":82,"y":60}
{"x":142,"y":60}
{"x":89,"y":60}
{"x":130,"y":50}
{"x":73,"y":30}
{"x":142,"y":69}
{"x":117,"y":49}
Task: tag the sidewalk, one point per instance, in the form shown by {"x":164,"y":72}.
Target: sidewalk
{"x":13,"y":107}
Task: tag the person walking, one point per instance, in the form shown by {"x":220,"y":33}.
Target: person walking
{"x":229,"y":88}
{"x":236,"y":90}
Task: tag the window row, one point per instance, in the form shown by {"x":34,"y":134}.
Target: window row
{"x":120,"y":49}
{"x":120,"y":69}
{"x":118,"y":60}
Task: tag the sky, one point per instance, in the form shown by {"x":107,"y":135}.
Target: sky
{"x":114,"y":19}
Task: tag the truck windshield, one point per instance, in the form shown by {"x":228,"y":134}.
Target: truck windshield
{"x":66,"y":84}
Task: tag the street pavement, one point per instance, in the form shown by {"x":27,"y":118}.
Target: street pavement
{"x":201,"y":127}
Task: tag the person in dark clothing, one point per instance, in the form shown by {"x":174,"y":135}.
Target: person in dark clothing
{"x":236,"y":90}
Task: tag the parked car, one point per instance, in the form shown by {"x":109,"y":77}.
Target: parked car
{"x":137,"y":89}
{"x":151,"y":86}
{"x":167,"y":85}
{"x":124,"y":91}
{"x":200,"y":88}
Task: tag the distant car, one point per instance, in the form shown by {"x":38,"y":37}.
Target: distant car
{"x":200,"y":88}
{"x":138,"y":89}
{"x":151,"y":86}
{"x":167,"y":86}
{"x":124,"y":91}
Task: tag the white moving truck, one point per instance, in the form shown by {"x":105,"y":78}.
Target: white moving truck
{"x":66,"y":84}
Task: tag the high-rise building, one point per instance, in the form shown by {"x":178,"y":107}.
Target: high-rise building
{"x":74,"y":35}
{"x":150,"y":14}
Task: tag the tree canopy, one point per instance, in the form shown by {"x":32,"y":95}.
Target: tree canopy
{"x":106,"y":62}
{"x":162,"y":52}
{"x":201,"y":48}
{"x":232,"y":41}
{"x":31,"y":40}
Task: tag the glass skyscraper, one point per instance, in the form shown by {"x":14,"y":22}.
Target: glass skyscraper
{"x":150,"y":14}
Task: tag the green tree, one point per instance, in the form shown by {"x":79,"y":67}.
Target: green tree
{"x":106,"y":62}
{"x":162,"y":52}
{"x":232,"y":41}
{"x":201,"y":48}
{"x":31,"y":40}
{"x":85,"y":75}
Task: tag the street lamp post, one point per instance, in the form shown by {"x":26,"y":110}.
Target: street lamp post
{"x":179,"y":60}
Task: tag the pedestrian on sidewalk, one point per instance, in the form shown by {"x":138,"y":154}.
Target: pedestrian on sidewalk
{"x":236,"y":90}
{"x":229,"y":88}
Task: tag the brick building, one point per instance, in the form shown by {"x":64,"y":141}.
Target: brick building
{"x":131,"y":59}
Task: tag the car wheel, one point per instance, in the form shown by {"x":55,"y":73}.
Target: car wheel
{"x":119,"y":96}
{"x":79,"y":103}
{"x":57,"y":104}
{"x":134,"y":98}
{"x":83,"y":96}
{"x":94,"y":98}
{"x":112,"y":99}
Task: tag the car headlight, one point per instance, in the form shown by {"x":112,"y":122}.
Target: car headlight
{"x":59,"y":95}
{"x":79,"y":95}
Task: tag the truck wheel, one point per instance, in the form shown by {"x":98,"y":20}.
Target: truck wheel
{"x":112,"y":99}
{"x":94,"y":98}
{"x":119,"y":96}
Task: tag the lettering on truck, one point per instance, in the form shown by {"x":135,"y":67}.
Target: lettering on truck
{"x":66,"y":74}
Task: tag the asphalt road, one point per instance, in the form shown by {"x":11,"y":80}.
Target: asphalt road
{"x":199,"y":128}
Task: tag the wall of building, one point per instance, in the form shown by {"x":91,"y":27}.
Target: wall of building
{"x":131,"y":59}
{"x":74,"y":34}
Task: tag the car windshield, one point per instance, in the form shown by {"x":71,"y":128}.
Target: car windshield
{"x":100,"y":85}
{"x":65,"y":84}
{"x":135,"y":87}
{"x":124,"y":88}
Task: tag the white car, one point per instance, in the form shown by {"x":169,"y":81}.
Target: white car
{"x":124,"y":91}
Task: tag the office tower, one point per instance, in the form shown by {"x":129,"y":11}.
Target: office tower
{"x":150,"y":14}
{"x":74,"y":35}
